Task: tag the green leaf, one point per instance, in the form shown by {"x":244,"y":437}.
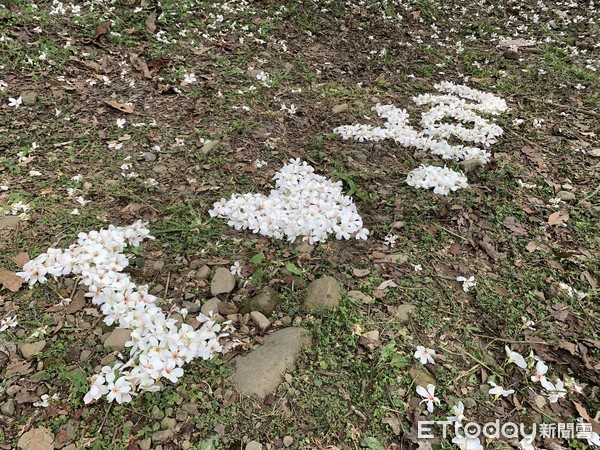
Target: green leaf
{"x":258,"y":259}
{"x":210,"y":443}
{"x":371,"y":443}
{"x":292,"y":268}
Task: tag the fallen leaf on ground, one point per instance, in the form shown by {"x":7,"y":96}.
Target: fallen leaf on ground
{"x":77,"y":303}
{"x":585,"y":416}
{"x":21,"y":259}
{"x":393,"y":422}
{"x":19,"y":368}
{"x":120,"y":106}
{"x":149,"y":23}
{"x":10,"y":280}
{"x":140,"y":65}
{"x":514,"y":226}
{"x":557,"y":218}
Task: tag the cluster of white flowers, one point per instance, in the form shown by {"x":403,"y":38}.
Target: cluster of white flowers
{"x":18,"y":208}
{"x":8,"y":322}
{"x":159,"y":348}
{"x":303,"y":204}
{"x":460,"y":103}
{"x":441,"y":179}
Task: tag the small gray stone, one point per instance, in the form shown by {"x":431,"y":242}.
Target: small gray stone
{"x":145,"y":444}
{"x":404,"y":313}
{"x":8,"y":407}
{"x":265,"y":301}
{"x":189,"y":296}
{"x":253,"y":445}
{"x":210,"y":146}
{"x":116,"y":340}
{"x":157,"y":413}
{"x":163,"y":435}
{"x":223,"y":282}
{"x":361,"y":297}
{"x":168,"y":423}
{"x":149,"y":157}
{"x":511,"y":54}
{"x":190,"y":408}
{"x":29,"y":98}
{"x":85,"y":355}
{"x":260,"y":320}
{"x":192,"y":307}
{"x":421,"y":377}
{"x":209,"y":306}
{"x":158,"y":266}
{"x":181,"y":416}
{"x":160,"y":168}
{"x":260,"y":372}
{"x":203,"y":272}
{"x":566,"y":196}
{"x":226,"y":308}
{"x":288,"y":440}
{"x":361,"y":273}
{"x":340,"y":108}
{"x":323,"y":293}
{"x":470,"y":165}
{"x":29,"y":350}
{"x":9,"y":222}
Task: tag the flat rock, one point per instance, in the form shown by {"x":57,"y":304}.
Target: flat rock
{"x":566,"y":196}
{"x":209,"y":306}
{"x":421,"y":377}
{"x":116,"y":340}
{"x":265,"y":302}
{"x":260,"y":372}
{"x":163,"y":435}
{"x":227,"y":308}
{"x":8,"y":408}
{"x":361,"y":297}
{"x":404,"y":313}
{"x":340,"y":108}
{"x":260,"y":320}
{"x":323,"y":293}
{"x":203,"y":272}
{"x":223,"y":282}
{"x":253,"y":445}
{"x":9,"y":222}
{"x":29,"y":350}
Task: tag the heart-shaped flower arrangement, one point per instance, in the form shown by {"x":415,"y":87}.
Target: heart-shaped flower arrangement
{"x":303,"y":204}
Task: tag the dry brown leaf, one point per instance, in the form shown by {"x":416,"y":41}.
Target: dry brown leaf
{"x":21,"y":259}
{"x":37,"y":439}
{"x":590,"y":279}
{"x":486,"y":244}
{"x":10,"y":280}
{"x":394,"y":423}
{"x":120,"y":106}
{"x":150,"y":24}
{"x":532,"y":247}
{"x":535,"y":158}
{"x":19,"y":368}
{"x":414,"y":16}
{"x":140,"y":65}
{"x":585,"y":416}
{"x":557,"y":218}
{"x":102,"y":29}
{"x":514,"y":226}
{"x":77,"y":304}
